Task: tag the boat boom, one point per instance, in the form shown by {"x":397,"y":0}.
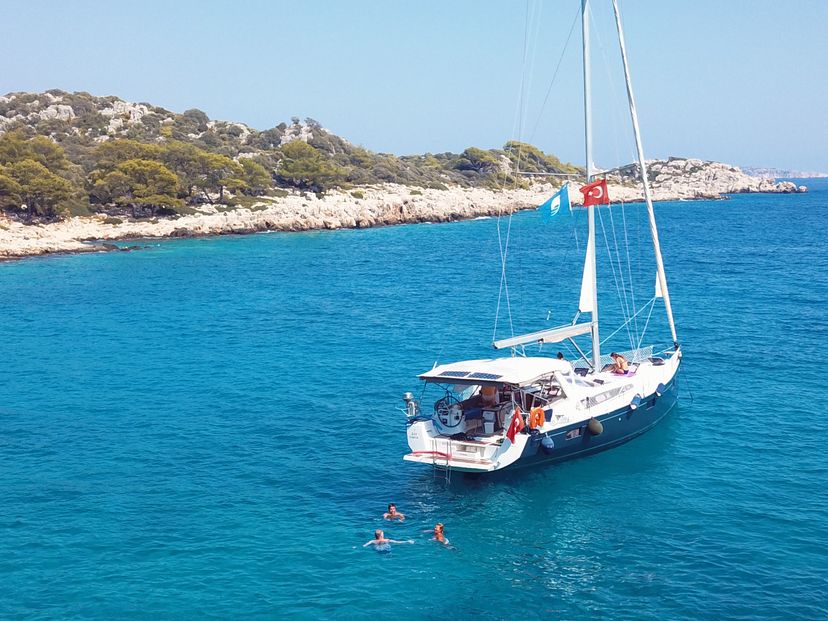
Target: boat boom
{"x":553,"y":335}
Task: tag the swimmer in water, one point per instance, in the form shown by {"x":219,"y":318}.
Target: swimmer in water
{"x":381,"y":542}
{"x":440,"y":533}
{"x":393,"y":514}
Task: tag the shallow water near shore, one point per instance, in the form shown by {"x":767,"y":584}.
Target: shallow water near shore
{"x":209,"y":429}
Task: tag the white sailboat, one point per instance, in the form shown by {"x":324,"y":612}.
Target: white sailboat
{"x":503,"y":412}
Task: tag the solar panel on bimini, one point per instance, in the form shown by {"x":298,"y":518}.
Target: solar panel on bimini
{"x":454,"y":374}
{"x":484,"y":376}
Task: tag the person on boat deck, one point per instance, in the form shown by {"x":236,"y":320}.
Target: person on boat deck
{"x":440,"y":533}
{"x":393,"y":514}
{"x":380,"y":540}
{"x":488,"y":395}
{"x":620,"y":364}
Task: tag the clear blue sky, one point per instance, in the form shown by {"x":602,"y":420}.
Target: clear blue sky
{"x":741,"y":81}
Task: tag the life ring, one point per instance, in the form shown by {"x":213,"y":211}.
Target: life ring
{"x":536,"y":417}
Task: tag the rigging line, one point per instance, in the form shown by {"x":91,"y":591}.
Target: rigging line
{"x":519,"y":104}
{"x":517,"y":122}
{"x":650,"y":303}
{"x":644,"y":331}
{"x":574,"y":229}
{"x":554,"y":75}
{"x":629,"y":264}
{"x":500,"y":291}
{"x":612,"y":267}
{"x":505,"y":281}
{"x":617,"y":123}
{"x":617,"y":120}
{"x":621,"y":272}
{"x":524,"y":87}
{"x":502,"y":278}
{"x":683,"y":373}
{"x":533,"y":56}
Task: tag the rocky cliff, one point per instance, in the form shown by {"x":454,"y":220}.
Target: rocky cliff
{"x":682,"y":178}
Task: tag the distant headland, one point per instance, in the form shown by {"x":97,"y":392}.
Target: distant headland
{"x":780,"y":173}
{"x":76,"y":168}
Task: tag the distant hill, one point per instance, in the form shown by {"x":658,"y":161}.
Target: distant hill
{"x":99,"y":135}
{"x":76,"y":154}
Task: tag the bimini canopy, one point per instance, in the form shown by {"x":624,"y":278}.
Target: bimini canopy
{"x":517,"y":371}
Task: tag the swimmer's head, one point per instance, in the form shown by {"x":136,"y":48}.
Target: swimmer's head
{"x":378,"y":534}
{"x":438,"y":528}
{"x":392,"y":508}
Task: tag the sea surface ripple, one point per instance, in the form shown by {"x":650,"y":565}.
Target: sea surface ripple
{"x":210,"y":429}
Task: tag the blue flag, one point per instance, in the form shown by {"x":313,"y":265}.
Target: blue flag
{"x":554,"y":204}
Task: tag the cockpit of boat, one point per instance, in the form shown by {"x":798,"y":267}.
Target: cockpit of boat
{"x":487,"y":409}
{"x":478,"y":397}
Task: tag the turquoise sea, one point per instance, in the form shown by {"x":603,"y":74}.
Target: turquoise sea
{"x":208,"y":429}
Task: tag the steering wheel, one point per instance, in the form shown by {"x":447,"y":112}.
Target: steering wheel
{"x":448,"y":411}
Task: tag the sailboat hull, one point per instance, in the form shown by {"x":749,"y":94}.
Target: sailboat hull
{"x":613,"y":411}
{"x":619,"y":426}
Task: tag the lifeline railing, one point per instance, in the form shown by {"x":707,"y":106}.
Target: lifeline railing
{"x":633,"y":356}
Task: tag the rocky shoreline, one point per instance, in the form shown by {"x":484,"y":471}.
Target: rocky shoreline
{"x":364,"y":208}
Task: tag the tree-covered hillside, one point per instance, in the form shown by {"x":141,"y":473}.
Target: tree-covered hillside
{"x":73,"y":153}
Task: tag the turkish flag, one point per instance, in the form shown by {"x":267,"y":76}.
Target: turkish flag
{"x":595,"y":193}
{"x":515,"y":426}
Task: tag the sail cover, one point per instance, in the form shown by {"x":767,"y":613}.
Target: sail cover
{"x":588,"y":281}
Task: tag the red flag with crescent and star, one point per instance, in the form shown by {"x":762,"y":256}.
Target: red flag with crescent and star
{"x":515,"y":426}
{"x":595,"y":193}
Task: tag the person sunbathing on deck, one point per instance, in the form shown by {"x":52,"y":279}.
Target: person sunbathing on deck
{"x":393,"y":514}
{"x":620,"y":365}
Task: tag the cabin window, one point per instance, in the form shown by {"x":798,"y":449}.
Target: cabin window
{"x":573,"y":433}
{"x":605,"y":396}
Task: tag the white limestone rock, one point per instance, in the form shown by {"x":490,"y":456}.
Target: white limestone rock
{"x":57,"y":111}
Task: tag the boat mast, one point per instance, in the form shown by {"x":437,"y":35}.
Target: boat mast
{"x":662,"y":277}
{"x":591,"y":264}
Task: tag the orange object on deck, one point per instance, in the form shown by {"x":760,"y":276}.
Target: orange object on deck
{"x":536,"y":418}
